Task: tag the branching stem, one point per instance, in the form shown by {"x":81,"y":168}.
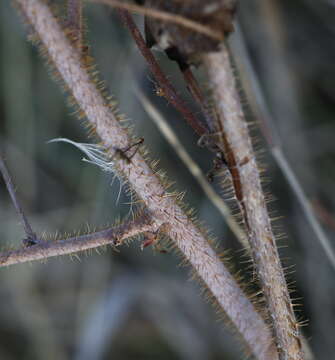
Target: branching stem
{"x":162,"y":206}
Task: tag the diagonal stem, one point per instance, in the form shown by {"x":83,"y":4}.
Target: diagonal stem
{"x":168,"y":90}
{"x":272,"y":138}
{"x":30,"y":235}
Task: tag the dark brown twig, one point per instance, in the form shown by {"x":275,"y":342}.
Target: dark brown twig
{"x":168,"y":90}
{"x":173,"y":97}
{"x":31,"y":238}
{"x":194,"y":89}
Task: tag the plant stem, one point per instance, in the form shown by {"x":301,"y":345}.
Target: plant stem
{"x":188,"y":238}
{"x":112,"y":236}
{"x":30,"y":235}
{"x":164,"y":16}
{"x":252,"y":202}
{"x":168,"y":90}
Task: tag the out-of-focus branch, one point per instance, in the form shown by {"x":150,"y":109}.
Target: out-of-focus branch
{"x":164,"y":16}
{"x":252,"y":203}
{"x":148,"y":186}
{"x":272,"y":138}
{"x":31,"y":237}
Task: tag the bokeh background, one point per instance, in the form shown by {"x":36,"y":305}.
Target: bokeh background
{"x":137,"y":304}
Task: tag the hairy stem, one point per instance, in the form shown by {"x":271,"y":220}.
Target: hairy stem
{"x":188,"y":238}
{"x":252,"y":203}
{"x":112,"y":236}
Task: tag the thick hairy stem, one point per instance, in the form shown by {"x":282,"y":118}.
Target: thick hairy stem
{"x":113,"y":236}
{"x":147,"y":185}
{"x":261,"y":238}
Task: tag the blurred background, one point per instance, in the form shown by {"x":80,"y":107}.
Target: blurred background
{"x":135,"y":304}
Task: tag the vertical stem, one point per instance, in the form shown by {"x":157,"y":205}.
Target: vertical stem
{"x":252,"y":203}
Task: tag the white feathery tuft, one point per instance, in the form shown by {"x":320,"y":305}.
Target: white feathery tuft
{"x":96,"y":154}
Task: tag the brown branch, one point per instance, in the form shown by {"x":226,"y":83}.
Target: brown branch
{"x":164,"y":16}
{"x":251,"y":198}
{"x":168,"y":90}
{"x":162,"y":206}
{"x":31,"y":237}
{"x":194,"y":89}
{"x":114,"y":236}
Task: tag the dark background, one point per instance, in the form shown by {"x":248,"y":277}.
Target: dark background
{"x":141,"y":305}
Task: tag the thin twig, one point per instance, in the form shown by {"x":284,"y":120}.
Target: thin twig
{"x":194,"y":89}
{"x":31,"y":237}
{"x":114,"y":236}
{"x":188,"y":238}
{"x":164,"y":16}
{"x":169,"y":91}
{"x":252,"y":200}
